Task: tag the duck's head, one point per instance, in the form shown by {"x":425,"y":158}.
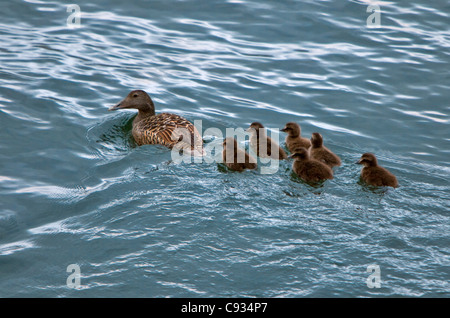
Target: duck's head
{"x":368,"y":160}
{"x":292,"y":129}
{"x":300,"y":154}
{"x":256,"y":127}
{"x":316,"y":140}
{"x":137,"y":99}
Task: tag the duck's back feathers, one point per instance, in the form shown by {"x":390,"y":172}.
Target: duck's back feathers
{"x":236,"y":158}
{"x":378,"y":176}
{"x":375,"y":175}
{"x":166,"y":129}
{"x":265,"y":147}
{"x":321,"y":153}
{"x":325,"y":155}
{"x":308,"y":169}
{"x":248,"y":163}
{"x":295,"y":143}
{"x":312,"y":170}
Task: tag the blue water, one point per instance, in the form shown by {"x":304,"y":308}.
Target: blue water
{"x":75,"y":189}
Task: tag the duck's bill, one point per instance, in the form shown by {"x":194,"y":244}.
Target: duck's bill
{"x":115,"y":107}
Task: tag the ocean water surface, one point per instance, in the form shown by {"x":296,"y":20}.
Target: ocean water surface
{"x":75,"y":188}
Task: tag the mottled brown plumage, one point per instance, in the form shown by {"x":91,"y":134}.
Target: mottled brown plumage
{"x":308,"y":169}
{"x":235,"y":158}
{"x":375,"y":175}
{"x":165,"y":129}
{"x":263,"y":145}
{"x":294,"y":140}
{"x":321,"y":153}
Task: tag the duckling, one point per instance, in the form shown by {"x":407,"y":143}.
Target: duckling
{"x":235,"y":158}
{"x":294,"y":140}
{"x":165,"y":129}
{"x":321,"y":153}
{"x":308,"y":169}
{"x":375,"y":175}
{"x":263,"y":145}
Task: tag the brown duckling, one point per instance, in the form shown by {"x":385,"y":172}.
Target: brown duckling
{"x":294,"y":140}
{"x":263,"y":145}
{"x":308,"y":169}
{"x":375,"y":175}
{"x":165,"y":129}
{"x":236,"y":158}
{"x":321,"y":153}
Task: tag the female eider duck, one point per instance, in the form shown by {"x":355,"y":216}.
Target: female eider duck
{"x":165,"y":129}
{"x":375,"y":175}
{"x":308,"y":169}
{"x":321,"y":153}
{"x":235,"y":158}
{"x":263,"y":145}
{"x":294,"y":140}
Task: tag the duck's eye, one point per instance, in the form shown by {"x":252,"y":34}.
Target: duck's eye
{"x":135,"y":95}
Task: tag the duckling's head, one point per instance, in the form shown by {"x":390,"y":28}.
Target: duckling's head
{"x":316,"y":140}
{"x":137,"y":99}
{"x":368,"y":160}
{"x":256,"y":127}
{"x":300,"y":154}
{"x":292,"y":129}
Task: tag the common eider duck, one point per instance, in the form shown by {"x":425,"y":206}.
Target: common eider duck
{"x":321,"y":153}
{"x":375,"y":175}
{"x":308,"y":169}
{"x":263,"y":145}
{"x":235,"y":158}
{"x":294,"y":140}
{"x":165,"y":129}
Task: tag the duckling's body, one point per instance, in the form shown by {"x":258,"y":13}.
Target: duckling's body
{"x":165,"y":129}
{"x":375,"y":175}
{"x":235,"y":158}
{"x":321,"y":153}
{"x":264,"y":146}
{"x":294,"y":140}
{"x":308,"y":169}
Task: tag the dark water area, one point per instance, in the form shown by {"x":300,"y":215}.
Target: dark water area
{"x":76,"y":189}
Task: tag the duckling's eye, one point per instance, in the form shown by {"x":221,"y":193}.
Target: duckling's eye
{"x":135,"y":95}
